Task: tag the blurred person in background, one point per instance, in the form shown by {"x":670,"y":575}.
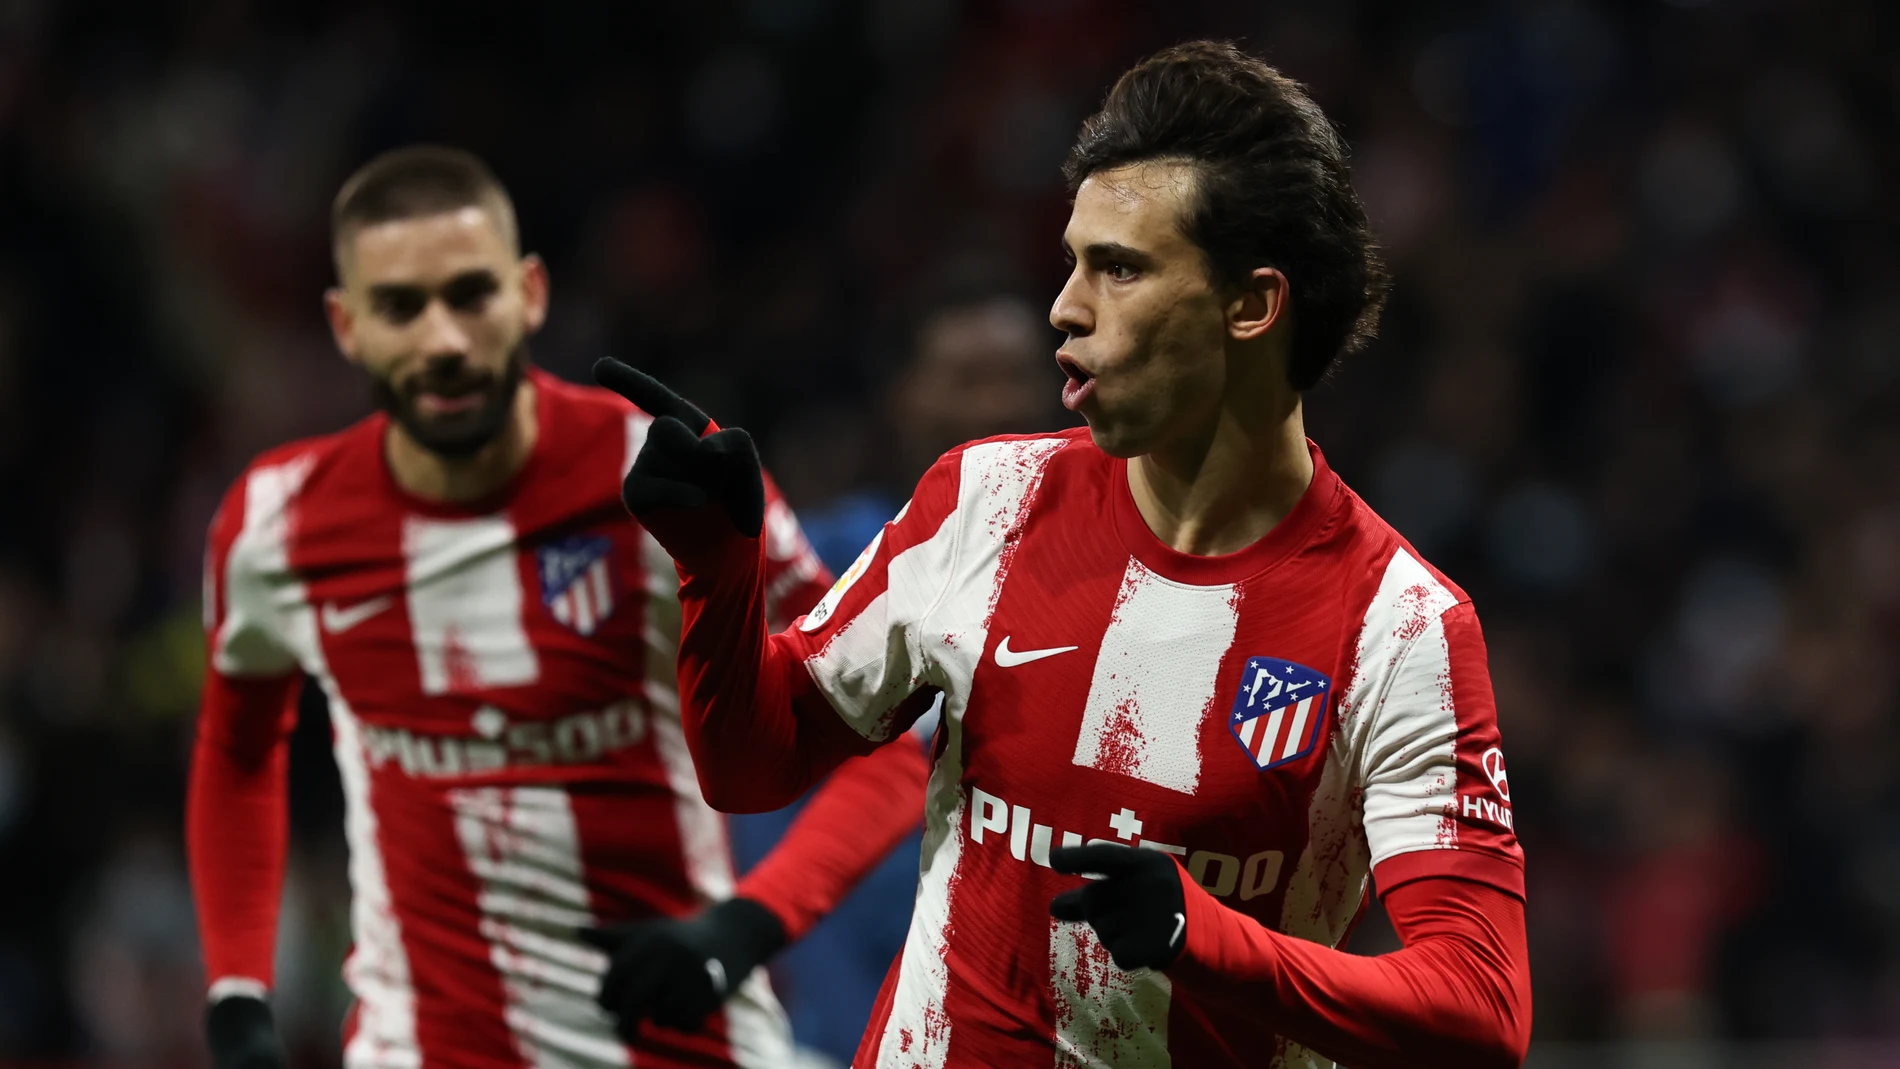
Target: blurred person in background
{"x":495,"y":640}
{"x":974,"y":363}
{"x":1134,"y":632}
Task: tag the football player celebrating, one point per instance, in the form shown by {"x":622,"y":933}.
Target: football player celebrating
{"x":495,"y":640}
{"x":1175,"y":652}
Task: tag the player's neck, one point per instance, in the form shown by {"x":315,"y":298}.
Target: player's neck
{"x":1222,"y":491}
{"x":433,"y":477}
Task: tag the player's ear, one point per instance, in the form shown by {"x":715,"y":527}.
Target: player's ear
{"x":534,"y":291}
{"x":1260,"y":303}
{"x":342,"y":324}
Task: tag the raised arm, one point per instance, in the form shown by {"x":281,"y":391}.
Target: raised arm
{"x":761,"y":729}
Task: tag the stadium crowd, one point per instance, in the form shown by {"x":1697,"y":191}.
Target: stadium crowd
{"x":1634,"y":391}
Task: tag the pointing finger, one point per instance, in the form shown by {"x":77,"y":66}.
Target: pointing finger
{"x":652,"y":395}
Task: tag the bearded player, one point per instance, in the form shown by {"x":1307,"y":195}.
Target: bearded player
{"x":1175,"y":653}
{"x":495,"y":640}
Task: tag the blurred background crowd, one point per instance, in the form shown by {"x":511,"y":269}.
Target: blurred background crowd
{"x":1637,"y":391}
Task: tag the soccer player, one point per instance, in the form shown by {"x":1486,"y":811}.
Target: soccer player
{"x":1175,"y":652}
{"x":496,"y":641}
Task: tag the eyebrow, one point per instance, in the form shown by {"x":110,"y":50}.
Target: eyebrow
{"x":1100,"y":251}
{"x":384,"y":290}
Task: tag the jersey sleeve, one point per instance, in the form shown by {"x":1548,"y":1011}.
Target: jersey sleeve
{"x":794,"y":576}
{"x":863,"y":643}
{"x":856,"y":817}
{"x":769,"y":715}
{"x":1457,"y":994}
{"x":1437,"y":800}
{"x":236,"y":820}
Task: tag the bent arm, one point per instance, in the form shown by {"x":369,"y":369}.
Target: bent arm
{"x":1457,"y":995}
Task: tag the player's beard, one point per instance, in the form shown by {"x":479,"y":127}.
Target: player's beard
{"x":460,"y":435}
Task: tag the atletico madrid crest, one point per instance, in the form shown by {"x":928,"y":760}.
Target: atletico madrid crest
{"x":577,"y":583}
{"x":1278,"y":711}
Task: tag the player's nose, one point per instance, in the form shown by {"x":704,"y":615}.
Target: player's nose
{"x":1071,"y":313}
{"x":442,"y":333}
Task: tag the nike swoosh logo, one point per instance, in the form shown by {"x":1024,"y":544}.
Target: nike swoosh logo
{"x":1008,"y":658}
{"x":336,"y":621}
{"x":1180,"y":925}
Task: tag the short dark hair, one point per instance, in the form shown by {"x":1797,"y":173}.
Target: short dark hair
{"x":1273,"y":186}
{"x":413,"y":181}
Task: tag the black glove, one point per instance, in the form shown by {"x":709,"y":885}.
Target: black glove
{"x":1136,"y":909}
{"x":241,"y":1034}
{"x":676,"y":971}
{"x":677,"y":468}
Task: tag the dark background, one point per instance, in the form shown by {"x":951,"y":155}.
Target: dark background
{"x":1636,"y":391}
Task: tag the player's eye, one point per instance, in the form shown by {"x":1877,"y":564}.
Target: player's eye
{"x":470,"y":293}
{"x":1121,"y":272}
{"x":399,"y":305}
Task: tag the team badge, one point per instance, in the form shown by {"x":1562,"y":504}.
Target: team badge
{"x":577,"y":583}
{"x":1277,"y":713}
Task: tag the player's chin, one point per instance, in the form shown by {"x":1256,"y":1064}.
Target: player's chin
{"x":455,"y":435}
{"x":1116,"y":437}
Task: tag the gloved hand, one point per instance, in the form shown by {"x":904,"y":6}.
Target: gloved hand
{"x":241,"y":1034}
{"x":1137,"y":908}
{"x":676,"y":971}
{"x":678,"y":469}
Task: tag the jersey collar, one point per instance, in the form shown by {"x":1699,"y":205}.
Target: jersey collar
{"x":1310,"y":516}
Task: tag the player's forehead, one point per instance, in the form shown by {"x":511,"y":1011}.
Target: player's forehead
{"x":1141,"y":205}
{"x":426,"y":250}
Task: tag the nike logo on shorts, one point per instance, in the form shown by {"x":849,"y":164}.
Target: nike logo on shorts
{"x":1008,"y":658}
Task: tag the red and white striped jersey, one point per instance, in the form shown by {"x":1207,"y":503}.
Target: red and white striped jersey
{"x":501,"y":685}
{"x":1293,"y":721}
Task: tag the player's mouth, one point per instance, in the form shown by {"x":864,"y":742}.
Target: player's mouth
{"x":1081,"y":384}
{"x":450,"y":398}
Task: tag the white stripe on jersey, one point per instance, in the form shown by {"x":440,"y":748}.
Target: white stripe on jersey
{"x":996,"y":483}
{"x":464,"y":586}
{"x":1157,"y":672}
{"x":1406,"y":745}
{"x":377,"y":970}
{"x":258,"y":586}
{"x":524,"y":851}
{"x":1105,"y":1018}
{"x":917,"y":1035}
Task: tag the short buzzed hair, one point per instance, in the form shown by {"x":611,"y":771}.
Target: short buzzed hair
{"x":414,"y":181}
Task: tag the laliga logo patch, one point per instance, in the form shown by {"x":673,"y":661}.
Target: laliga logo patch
{"x":1493,"y":761}
{"x":1278,"y":711}
{"x":827,"y":605}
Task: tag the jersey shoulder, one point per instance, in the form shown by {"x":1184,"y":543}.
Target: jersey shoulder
{"x":1381,"y":543}
{"x":1011,"y":457}
{"x":294,"y":469}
